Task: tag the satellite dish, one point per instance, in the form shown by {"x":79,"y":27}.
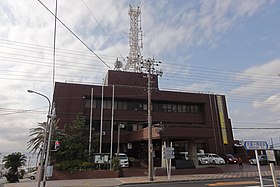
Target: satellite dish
{"x":118,"y":65}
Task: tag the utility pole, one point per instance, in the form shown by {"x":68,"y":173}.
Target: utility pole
{"x":149,"y":65}
{"x":150,"y":143}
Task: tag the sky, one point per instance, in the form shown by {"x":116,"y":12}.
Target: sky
{"x":219,"y":47}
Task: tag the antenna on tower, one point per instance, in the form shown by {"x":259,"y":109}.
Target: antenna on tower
{"x":134,"y":58}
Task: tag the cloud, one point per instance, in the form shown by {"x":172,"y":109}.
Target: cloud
{"x":258,"y":79}
{"x":26,"y":41}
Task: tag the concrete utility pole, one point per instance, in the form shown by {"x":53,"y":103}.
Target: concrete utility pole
{"x":149,"y":65}
{"x":150,"y":142}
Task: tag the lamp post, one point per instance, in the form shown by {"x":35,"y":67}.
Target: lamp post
{"x":45,"y":137}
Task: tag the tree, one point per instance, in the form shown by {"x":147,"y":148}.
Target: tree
{"x":74,"y":141}
{"x":37,"y":136}
{"x":12,"y":162}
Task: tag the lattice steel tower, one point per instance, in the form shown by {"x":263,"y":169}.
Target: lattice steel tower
{"x":135,"y":37}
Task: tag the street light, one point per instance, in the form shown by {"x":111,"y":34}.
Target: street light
{"x":45,"y":138}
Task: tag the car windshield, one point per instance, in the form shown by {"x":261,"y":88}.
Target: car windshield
{"x":202,"y":156}
{"x":230,"y":156}
{"x":122,"y":156}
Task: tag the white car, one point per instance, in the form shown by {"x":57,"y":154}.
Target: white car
{"x":123,"y":160}
{"x":31,"y":175}
{"x":3,"y":180}
{"x":202,"y":159}
{"x":262,"y":160}
{"x":214,"y":158}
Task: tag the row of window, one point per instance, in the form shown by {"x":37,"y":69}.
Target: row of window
{"x":142,"y":106}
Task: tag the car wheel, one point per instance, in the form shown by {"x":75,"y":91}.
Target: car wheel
{"x":213,"y":162}
{"x":32,"y":178}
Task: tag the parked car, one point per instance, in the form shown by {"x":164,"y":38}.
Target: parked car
{"x":229,"y":158}
{"x":31,"y":175}
{"x":262,"y":160}
{"x":123,"y":160}
{"x":202,"y":159}
{"x":214,"y":158}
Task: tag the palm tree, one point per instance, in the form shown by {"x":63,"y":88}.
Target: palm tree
{"x":13,"y":162}
{"x":37,"y":137}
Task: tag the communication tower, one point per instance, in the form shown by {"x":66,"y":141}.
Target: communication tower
{"x":135,"y":37}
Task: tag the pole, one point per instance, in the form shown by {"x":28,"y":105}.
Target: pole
{"x":118,"y":148}
{"x":274,"y":178}
{"x":112,"y":127}
{"x":259,"y":168}
{"x":101,"y":120}
{"x":48,"y":150}
{"x":90,"y":124}
{"x":45,"y":137}
{"x":150,"y":145}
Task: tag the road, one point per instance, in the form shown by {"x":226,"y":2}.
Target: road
{"x":245,"y":182}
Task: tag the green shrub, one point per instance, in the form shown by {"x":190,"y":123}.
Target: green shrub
{"x":115,"y":163}
{"x":86,"y":166}
{"x":71,"y":166}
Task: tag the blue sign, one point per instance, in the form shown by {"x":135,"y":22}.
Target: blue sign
{"x":255,"y":145}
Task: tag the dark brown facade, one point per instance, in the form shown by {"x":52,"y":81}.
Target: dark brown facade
{"x":177,"y":117}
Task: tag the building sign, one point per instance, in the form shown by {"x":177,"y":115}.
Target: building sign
{"x":255,"y":145}
{"x":222,"y":119}
{"x":168,"y":152}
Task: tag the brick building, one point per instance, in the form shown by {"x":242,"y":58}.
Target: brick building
{"x":191,"y":121}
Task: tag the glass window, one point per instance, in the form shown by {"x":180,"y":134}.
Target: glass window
{"x":188,"y":108}
{"x":134,"y":106}
{"x":174,"y":108}
{"x":184,"y":108}
{"x":169,"y":108}
{"x":107,"y":104}
{"x":164,"y":107}
{"x":145,"y":106}
{"x":96,"y":103}
{"x":179,"y":108}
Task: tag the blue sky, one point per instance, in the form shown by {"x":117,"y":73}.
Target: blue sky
{"x":225,"y":47}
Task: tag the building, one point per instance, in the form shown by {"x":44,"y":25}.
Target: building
{"x":191,"y":121}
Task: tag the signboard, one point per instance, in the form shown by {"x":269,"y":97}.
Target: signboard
{"x":255,"y":145}
{"x":49,"y":172}
{"x":168,"y":152}
{"x":270,"y":155}
{"x":101,"y":158}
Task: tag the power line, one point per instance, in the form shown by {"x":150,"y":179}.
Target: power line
{"x":75,"y":35}
{"x":103,"y":29}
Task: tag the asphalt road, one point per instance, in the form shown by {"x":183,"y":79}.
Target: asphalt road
{"x":245,"y":182}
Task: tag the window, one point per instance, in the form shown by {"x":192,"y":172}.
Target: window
{"x":107,"y":104}
{"x":96,"y":103}
{"x":174,"y":108}
{"x":145,"y":106}
{"x":179,"y":108}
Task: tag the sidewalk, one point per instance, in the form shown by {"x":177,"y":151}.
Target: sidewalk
{"x":229,"y":172}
